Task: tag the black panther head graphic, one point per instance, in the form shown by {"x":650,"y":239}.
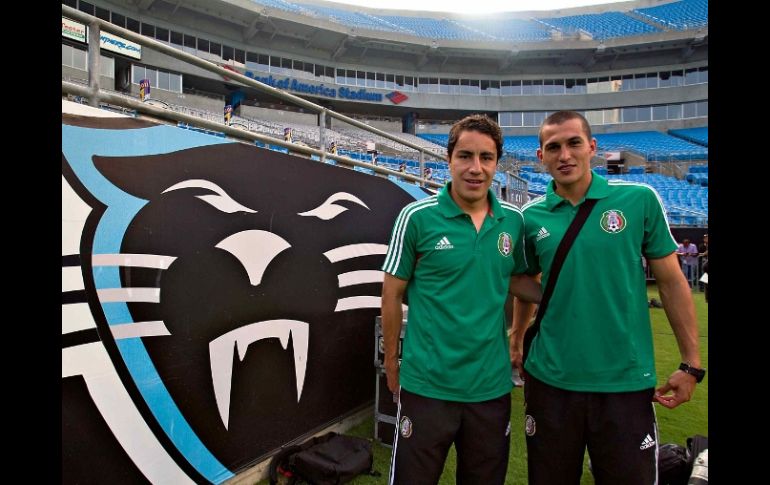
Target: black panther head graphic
{"x":252,"y":279}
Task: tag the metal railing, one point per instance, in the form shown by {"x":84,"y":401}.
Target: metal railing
{"x":95,"y":95}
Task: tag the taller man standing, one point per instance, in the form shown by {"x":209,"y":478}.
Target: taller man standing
{"x":455,"y":255}
{"x":590,"y":371}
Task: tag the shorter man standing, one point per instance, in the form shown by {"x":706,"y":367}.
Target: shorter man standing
{"x":456,"y":255}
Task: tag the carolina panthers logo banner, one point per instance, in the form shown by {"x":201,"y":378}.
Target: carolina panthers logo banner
{"x":218,"y":299}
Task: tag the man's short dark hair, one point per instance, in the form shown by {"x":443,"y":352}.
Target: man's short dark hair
{"x":477,"y":122}
{"x":560,"y":117}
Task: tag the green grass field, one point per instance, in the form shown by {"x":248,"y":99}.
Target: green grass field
{"x":675,"y":424}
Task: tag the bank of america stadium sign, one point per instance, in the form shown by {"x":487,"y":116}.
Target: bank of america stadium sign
{"x":292,"y":84}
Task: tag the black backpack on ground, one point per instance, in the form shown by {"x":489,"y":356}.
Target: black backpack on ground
{"x":329,"y":459}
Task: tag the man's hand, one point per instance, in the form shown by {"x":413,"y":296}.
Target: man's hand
{"x":677,"y":390}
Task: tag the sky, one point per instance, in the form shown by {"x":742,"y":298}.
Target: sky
{"x":475,"y":6}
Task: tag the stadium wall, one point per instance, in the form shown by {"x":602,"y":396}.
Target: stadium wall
{"x":206,"y":321}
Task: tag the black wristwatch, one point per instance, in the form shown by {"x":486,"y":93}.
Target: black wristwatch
{"x":699,"y":374}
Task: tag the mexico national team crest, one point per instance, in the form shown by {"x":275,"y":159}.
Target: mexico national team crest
{"x":405,"y":427}
{"x":504,"y":244}
{"x":612,"y":221}
{"x":529,"y":425}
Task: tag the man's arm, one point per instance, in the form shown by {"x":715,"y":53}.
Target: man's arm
{"x":677,"y":302}
{"x":392,"y":315}
{"x":523,"y":309}
{"x":525,"y":287}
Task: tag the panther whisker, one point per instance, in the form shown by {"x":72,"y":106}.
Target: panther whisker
{"x":355,"y":251}
{"x":135,"y":295}
{"x":133,"y":260}
{"x":358,"y":302}
{"x":353,"y":278}
{"x":139,"y":329}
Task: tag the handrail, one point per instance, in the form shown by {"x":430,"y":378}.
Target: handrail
{"x":232,"y":132}
{"x":95,"y":22}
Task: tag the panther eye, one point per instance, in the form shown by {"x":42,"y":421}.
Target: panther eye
{"x":330,"y":210}
{"x":219,"y":200}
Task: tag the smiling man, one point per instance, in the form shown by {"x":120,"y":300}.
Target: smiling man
{"x":590,"y":371}
{"x":454,"y":255}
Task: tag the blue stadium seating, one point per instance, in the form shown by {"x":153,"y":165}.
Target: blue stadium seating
{"x":683,"y":15}
{"x":603,"y":25}
{"x":695,"y":135}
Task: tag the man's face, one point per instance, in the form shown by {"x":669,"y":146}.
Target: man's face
{"x":472,"y":167}
{"x":686,"y":242}
{"x":567,"y":152}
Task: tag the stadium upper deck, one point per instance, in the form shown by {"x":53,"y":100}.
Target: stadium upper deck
{"x":610,"y":60}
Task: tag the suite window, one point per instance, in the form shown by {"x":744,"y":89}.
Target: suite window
{"x":189,"y":41}
{"x":86,"y":7}
{"x":659,"y":113}
{"x":529,"y":119}
{"x":240,"y":56}
{"x":380,"y":78}
{"x":203,"y":45}
{"x":133,"y":25}
{"x":691,"y":76}
{"x":390,"y":81}
{"x":526,"y":88}
{"x":689,"y":110}
{"x":664,"y":79}
{"x":629,"y":115}
{"x":252,"y":60}
{"x":148,"y":30}
{"x":161,"y":34}
{"x":643,"y":113}
{"x":444,"y":86}
{"x":177,"y":38}
{"x":674,"y":111}
{"x":454,"y":86}
{"x":118,"y":19}
{"x":677,"y":78}
{"x":103,"y":13}
{"x":163,"y":80}
{"x":360,"y":78}
{"x":628,"y":82}
{"x":703,"y":74}
{"x":399,"y":81}
{"x":216,"y":49}
{"x":611,"y":116}
{"x":505,"y":88}
{"x":702,"y":108}
{"x":227,"y":53}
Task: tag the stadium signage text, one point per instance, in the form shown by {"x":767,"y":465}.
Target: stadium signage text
{"x":292,"y":84}
{"x":109,"y":42}
{"x":73,"y":30}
